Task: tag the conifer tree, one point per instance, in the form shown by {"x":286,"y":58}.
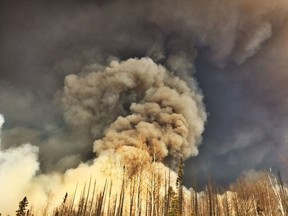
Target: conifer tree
{"x":176,"y":203}
{"x":173,"y":202}
{"x":179,"y":184}
{"x":22,"y":207}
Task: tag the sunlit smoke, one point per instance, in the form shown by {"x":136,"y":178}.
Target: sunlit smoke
{"x":137,"y":98}
{"x":14,"y":163}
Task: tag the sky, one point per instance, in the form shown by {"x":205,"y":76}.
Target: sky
{"x":233,"y":54}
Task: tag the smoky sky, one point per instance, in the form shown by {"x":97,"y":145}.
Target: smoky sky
{"x":236,"y":50}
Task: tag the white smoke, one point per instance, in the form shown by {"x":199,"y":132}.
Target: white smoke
{"x":18,"y":166}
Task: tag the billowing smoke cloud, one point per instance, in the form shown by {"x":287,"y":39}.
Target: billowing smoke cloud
{"x":237,"y":47}
{"x":145,"y":100}
{"x":148,"y":115}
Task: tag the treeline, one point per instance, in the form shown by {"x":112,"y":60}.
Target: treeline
{"x":265,"y":196}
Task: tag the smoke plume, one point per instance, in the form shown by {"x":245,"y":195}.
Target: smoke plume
{"x":136,"y":98}
{"x":147,"y":116}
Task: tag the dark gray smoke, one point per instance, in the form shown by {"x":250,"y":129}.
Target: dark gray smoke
{"x":238,"y":49}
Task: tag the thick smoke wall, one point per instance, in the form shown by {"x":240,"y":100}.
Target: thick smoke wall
{"x":238,"y":49}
